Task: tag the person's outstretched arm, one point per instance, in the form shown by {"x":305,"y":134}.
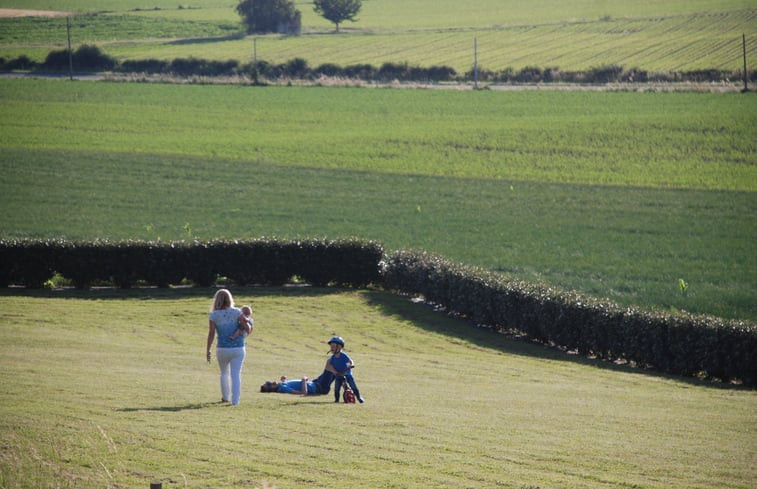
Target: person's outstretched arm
{"x":211,"y":337}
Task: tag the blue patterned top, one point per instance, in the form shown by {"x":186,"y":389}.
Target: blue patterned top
{"x":226,"y":323}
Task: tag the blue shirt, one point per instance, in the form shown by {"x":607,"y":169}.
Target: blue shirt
{"x":341,"y":363}
{"x":295,"y":386}
{"x":321,"y":385}
{"x":226,"y":323}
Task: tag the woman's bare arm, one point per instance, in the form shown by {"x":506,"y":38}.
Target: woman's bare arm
{"x":211,"y":337}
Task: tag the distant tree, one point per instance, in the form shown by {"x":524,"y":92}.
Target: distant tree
{"x":337,"y":11}
{"x":262,"y":16}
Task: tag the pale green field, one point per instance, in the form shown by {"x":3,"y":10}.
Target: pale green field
{"x":672,"y":43}
{"x":568,"y":35}
{"x":110,"y":389}
{"x":411,"y":14}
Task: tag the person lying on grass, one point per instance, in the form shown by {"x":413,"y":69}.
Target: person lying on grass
{"x":303,"y":387}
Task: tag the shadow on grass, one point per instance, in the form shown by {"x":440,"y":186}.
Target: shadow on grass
{"x":206,"y":40}
{"x":185,"y":407}
{"x":425,"y":317}
{"x":385,"y":302}
{"x":290,"y":400}
{"x":169,"y":293}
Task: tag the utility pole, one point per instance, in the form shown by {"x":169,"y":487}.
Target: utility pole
{"x":255,"y":60}
{"x":475,"y":63}
{"x":70,"y":55}
{"x":743,"y":44}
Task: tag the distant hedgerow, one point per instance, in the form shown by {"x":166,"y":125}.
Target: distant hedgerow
{"x":92,"y":59}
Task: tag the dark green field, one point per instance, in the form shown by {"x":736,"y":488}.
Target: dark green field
{"x":616,"y":194}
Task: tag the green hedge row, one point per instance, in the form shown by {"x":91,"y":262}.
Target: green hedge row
{"x":90,"y":58}
{"x":126,"y":263}
{"x":682,"y":344}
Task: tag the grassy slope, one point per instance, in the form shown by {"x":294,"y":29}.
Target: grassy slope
{"x":571,"y":36}
{"x":81,"y":149}
{"x":118,"y":395}
{"x":696,"y":141}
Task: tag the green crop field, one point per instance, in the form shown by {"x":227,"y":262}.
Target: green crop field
{"x":619,"y":195}
{"x":574,"y":35}
{"x":110,"y":389}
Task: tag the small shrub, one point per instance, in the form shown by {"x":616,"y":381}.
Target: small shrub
{"x":56,"y":60}
{"x":359,"y":71}
{"x":151,"y":66}
{"x":86,"y":57}
{"x":605,"y":74}
{"x":328,"y":69}
{"x":91,"y":58}
{"x":296,"y":68}
{"x":57,"y":281}
{"x":20,"y":63}
{"x":392,"y":71}
{"x":529,"y":74}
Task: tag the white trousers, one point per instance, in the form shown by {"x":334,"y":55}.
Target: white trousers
{"x":230,"y":362}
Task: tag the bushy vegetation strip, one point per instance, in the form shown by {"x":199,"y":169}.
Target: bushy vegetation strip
{"x":89,"y":58}
{"x":681,"y":343}
{"x":245,"y":262}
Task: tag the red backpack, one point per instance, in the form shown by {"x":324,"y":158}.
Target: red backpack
{"x":349,"y":396}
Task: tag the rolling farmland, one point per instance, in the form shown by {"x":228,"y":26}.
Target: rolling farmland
{"x":694,"y":36}
{"x":615,"y":194}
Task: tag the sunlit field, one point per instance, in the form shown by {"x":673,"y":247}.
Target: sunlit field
{"x":619,"y":195}
{"x":110,"y":389}
{"x":565,"y":35}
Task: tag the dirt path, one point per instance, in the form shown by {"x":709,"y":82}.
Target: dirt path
{"x":14,"y":12}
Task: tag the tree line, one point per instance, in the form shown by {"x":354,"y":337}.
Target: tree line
{"x":282,"y":16}
{"x":90,"y":59}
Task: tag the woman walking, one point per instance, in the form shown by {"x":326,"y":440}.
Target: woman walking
{"x":230,"y":352}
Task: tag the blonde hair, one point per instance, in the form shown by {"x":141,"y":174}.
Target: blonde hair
{"x":222,"y":300}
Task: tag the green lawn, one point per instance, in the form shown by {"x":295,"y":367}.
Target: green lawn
{"x":110,"y":389}
{"x":619,"y":195}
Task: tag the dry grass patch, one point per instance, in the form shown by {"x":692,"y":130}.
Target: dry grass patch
{"x":14,"y":12}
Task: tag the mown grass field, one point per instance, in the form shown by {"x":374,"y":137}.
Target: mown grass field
{"x":574,"y":35}
{"x":110,"y":389}
{"x":619,"y":195}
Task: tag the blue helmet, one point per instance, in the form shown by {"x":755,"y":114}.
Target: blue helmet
{"x":338,"y":340}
